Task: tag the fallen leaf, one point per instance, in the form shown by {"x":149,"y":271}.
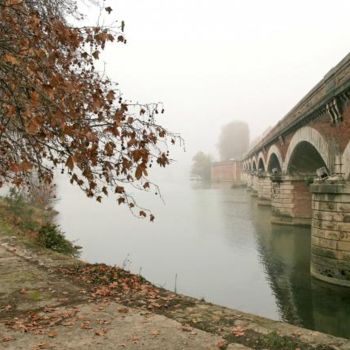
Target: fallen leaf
{"x":155,"y":333}
{"x":238,"y":331}
{"x":186,"y":329}
{"x":221,"y":344}
{"x":101,"y":332}
{"x":85,"y":325}
{"x":52,"y":334}
{"x":123,"y":310}
{"x":7,"y":338}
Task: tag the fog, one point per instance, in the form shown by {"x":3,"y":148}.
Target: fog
{"x":211,"y":62}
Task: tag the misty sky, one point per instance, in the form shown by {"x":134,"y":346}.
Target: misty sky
{"x":211,"y":62}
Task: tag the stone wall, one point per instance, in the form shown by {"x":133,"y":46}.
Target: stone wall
{"x":264,"y":190}
{"x":255,"y":185}
{"x":227,"y":171}
{"x":291,"y":201}
{"x":330,"y":234}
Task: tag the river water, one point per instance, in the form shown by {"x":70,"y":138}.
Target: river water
{"x":211,"y":242}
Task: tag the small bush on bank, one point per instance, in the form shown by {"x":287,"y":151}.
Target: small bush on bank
{"x":51,"y":237}
{"x":30,"y":219}
{"x":23,"y":214}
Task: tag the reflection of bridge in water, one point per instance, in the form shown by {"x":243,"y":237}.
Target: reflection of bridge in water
{"x":314,"y":137}
{"x":301,"y":299}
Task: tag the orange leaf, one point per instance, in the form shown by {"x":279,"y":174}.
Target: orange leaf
{"x":35,"y":99}
{"x":110,"y":96}
{"x":121,"y":200}
{"x":221,"y":344}
{"x":138,"y":172}
{"x":119,"y":189}
{"x":33,"y":126}
{"x":10,"y":59}
{"x":15,"y":168}
{"x":26,"y":166}
{"x":13,"y":2}
{"x":70,"y":162}
{"x":52,"y":334}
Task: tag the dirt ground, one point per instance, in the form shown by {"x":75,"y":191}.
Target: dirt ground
{"x":49,"y":301}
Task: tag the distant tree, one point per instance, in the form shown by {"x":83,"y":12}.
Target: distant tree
{"x":58,"y":111}
{"x":202,"y":165}
{"x":233,"y":140}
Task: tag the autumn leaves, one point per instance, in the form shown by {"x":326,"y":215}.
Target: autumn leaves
{"x":58,"y":111}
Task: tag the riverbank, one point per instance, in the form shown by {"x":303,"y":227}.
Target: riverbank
{"x":51,"y":301}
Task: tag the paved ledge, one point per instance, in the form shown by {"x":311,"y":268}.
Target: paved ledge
{"x":330,"y":188}
{"x":41,"y":308}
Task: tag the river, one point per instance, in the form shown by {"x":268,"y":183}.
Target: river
{"x":215,"y":243}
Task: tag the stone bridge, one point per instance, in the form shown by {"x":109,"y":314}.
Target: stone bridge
{"x":301,"y":167}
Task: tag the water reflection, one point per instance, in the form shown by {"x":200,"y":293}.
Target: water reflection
{"x":301,"y":299}
{"x":221,"y":246}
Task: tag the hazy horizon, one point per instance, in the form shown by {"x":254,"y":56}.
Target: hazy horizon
{"x":211,"y":63}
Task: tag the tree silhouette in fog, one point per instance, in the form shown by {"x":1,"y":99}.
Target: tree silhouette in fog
{"x":201,"y":165}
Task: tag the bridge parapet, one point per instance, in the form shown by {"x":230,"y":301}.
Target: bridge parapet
{"x":329,"y":97}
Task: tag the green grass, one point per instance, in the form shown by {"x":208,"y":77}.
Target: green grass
{"x":35,"y":295}
{"x":33,"y":225}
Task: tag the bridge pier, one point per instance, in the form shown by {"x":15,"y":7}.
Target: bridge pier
{"x":291,"y":201}
{"x":244,"y":178}
{"x":330,"y":233}
{"x":264,"y":190}
{"x":255,"y":185}
{"x":249,"y":181}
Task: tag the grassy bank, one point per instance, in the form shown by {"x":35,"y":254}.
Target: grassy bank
{"x":34,"y":224}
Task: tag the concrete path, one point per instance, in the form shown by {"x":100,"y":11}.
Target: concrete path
{"x":40,"y":310}
{"x":110,"y":327}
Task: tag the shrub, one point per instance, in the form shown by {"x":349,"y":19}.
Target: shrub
{"x":23,"y":213}
{"x":51,"y":237}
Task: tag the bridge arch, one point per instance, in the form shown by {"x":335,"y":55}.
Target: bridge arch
{"x":307,"y":151}
{"x":274,"y":159}
{"x":261,"y":161}
{"x":254,"y":164}
{"x":247,"y":165}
